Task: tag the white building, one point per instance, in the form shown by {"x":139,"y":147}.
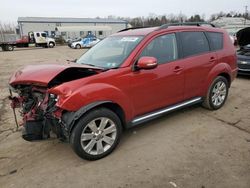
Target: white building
{"x":231,"y":24}
{"x":71,"y":27}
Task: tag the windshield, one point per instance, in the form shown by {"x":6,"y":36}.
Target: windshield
{"x":110,"y":52}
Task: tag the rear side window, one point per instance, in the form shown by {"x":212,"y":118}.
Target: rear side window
{"x":216,"y":40}
{"x":38,"y":34}
{"x":194,"y":43}
{"x":163,"y":48}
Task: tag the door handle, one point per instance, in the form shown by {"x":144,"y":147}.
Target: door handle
{"x":178,"y":69}
{"x":212,"y":59}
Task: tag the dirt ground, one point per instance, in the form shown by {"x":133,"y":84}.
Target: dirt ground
{"x":191,"y":148}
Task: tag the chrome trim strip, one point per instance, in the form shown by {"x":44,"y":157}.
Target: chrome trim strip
{"x":244,"y":69}
{"x":166,"y":110}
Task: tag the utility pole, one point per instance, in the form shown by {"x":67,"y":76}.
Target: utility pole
{"x":1,"y":30}
{"x":246,"y":13}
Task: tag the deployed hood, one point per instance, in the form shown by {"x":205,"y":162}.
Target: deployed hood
{"x":51,"y":74}
{"x":243,"y":36}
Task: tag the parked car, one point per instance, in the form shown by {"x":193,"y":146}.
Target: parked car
{"x":243,"y":54}
{"x":86,"y":42}
{"x":128,"y":78}
{"x":70,"y":41}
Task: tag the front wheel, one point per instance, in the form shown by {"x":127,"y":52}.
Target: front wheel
{"x":96,"y":134}
{"x":51,"y":44}
{"x":217,"y":93}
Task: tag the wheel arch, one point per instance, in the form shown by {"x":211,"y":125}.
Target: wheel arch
{"x":70,"y":119}
{"x":227,"y":76}
{"x":222,"y":69}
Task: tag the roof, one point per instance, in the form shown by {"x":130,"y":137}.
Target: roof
{"x":232,"y":25}
{"x":145,"y":31}
{"x":135,"y":32}
{"x":224,"y":21}
{"x":84,"y":28}
{"x":69,"y":20}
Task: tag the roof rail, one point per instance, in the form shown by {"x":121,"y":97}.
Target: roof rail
{"x":132,"y":28}
{"x":186,"y":24}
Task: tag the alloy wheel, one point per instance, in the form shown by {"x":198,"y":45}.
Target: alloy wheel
{"x":219,"y":93}
{"x":98,"y":136}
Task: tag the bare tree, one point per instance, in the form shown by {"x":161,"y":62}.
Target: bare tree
{"x":7,"y":28}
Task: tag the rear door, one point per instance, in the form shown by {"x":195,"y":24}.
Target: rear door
{"x":198,"y":60}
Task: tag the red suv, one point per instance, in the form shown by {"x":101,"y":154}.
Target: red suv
{"x":128,"y":78}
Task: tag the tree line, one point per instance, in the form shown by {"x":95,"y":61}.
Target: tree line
{"x":154,"y":20}
{"x":151,"y":20}
{"x":7,"y":28}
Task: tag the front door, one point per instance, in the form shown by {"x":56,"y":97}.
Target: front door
{"x":157,"y":88}
{"x":40,"y":38}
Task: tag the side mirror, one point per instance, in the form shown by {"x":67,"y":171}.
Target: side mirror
{"x":147,"y":63}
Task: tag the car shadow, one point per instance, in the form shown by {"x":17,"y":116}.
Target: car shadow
{"x":243,"y":76}
{"x":163,"y":118}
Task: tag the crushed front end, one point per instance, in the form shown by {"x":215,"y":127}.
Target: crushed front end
{"x":37,"y":108}
{"x":35,"y":90}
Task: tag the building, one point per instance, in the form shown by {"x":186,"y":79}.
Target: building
{"x":71,"y":27}
{"x":232,"y":24}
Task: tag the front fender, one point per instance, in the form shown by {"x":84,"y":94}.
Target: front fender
{"x":69,"y":118}
{"x":95,"y":92}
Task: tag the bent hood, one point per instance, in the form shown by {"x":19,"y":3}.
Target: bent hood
{"x":243,"y":36}
{"x":43,"y":74}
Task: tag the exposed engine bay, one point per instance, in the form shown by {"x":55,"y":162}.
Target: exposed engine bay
{"x":38,"y":108}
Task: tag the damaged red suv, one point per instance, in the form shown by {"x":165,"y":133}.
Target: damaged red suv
{"x":128,"y":78}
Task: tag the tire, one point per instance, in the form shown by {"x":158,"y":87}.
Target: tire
{"x":51,"y":44}
{"x":92,"y":141}
{"x":78,"y":46}
{"x":10,"y":48}
{"x":216,"y":94}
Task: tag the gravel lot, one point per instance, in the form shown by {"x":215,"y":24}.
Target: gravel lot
{"x":192,"y":148}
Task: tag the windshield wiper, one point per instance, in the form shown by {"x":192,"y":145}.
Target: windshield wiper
{"x":89,"y":64}
{"x":92,"y":65}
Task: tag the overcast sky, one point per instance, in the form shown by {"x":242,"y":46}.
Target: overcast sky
{"x":10,"y":10}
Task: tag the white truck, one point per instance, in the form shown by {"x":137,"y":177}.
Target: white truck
{"x":37,"y":39}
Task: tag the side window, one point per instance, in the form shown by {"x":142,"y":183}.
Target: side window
{"x":163,"y":48}
{"x":38,"y":34}
{"x":44,"y":35}
{"x":194,"y":43}
{"x":216,"y":40}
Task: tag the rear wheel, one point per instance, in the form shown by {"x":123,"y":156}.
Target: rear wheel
{"x":217,"y":94}
{"x":10,"y":48}
{"x":78,"y":46}
{"x":96,"y":134}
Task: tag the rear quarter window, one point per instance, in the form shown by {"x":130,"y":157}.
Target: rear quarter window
{"x":194,"y":43}
{"x":216,"y":40}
